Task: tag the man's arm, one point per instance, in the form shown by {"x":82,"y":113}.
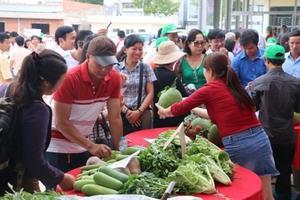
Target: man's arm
{"x":62,"y":113}
{"x":115,"y":121}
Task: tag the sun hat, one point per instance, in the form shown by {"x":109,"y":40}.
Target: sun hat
{"x":169,"y":28}
{"x":276,"y":52}
{"x":103,"y":50}
{"x":168,"y":52}
{"x":271,"y":41}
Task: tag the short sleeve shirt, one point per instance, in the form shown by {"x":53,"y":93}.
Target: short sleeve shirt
{"x":131,"y":86}
{"x":248,"y":70}
{"x":5,"y":73}
{"x":87,"y":102}
{"x":291,"y":66}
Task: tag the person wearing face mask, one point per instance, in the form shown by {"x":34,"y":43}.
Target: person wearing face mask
{"x":138,"y":88}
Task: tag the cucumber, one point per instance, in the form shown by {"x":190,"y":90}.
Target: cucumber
{"x":85,"y":177}
{"x":80,"y":183}
{"x":89,"y":167}
{"x":114,"y":173}
{"x":120,"y":157}
{"x":131,"y":150}
{"x":93,"y":189}
{"x":107,"y":181}
{"x":89,"y":172}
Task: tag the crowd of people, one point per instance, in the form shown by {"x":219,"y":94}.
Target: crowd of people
{"x":226,"y":76}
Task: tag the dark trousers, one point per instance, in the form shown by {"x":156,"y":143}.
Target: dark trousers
{"x":67,"y":162}
{"x":283,"y":155}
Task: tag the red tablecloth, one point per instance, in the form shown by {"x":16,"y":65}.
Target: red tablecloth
{"x":296,"y":162}
{"x":245,"y":185}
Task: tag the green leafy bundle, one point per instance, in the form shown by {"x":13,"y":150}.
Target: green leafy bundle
{"x":145,"y":184}
{"x":158,"y":161}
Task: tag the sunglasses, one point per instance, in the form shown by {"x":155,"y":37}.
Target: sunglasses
{"x":199,"y":43}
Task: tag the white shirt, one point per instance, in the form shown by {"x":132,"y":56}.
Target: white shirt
{"x":71,"y":62}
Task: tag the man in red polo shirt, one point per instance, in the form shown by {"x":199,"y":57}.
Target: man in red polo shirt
{"x":86,"y":90}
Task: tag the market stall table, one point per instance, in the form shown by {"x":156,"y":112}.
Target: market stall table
{"x":296,"y":162}
{"x":245,"y":185}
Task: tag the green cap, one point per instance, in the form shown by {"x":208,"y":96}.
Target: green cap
{"x":160,"y":40}
{"x":276,"y":52}
{"x":271,"y":41}
{"x":169,"y":28}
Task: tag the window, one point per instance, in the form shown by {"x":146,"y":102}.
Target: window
{"x":44,"y":27}
{"x":128,"y":31}
{"x":2,"y":27}
{"x":141,"y":30}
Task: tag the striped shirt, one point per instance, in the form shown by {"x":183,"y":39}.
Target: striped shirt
{"x":131,"y":86}
{"x":87,"y":103}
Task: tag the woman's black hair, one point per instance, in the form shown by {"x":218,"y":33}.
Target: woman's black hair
{"x":129,"y":41}
{"x":190,"y":38}
{"x":218,"y":64}
{"x":85,"y":46}
{"x":36,"y":68}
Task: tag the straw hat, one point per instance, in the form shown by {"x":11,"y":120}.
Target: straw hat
{"x":167,"y":53}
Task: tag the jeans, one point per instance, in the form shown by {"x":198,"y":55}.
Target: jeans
{"x":251,"y":149}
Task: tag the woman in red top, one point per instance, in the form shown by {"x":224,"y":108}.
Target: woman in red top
{"x":232,"y":110}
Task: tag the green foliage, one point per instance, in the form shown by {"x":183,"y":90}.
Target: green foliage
{"x":164,"y":7}
{"x":92,"y":1}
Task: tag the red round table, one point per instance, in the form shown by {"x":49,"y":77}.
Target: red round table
{"x":296,"y":162}
{"x":245,"y":185}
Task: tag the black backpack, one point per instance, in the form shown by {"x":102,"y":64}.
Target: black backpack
{"x":8,"y":123}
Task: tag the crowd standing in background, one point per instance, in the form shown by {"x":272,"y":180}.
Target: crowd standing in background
{"x":212,"y":70}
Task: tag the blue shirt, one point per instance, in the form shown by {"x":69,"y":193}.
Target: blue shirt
{"x":291,"y":66}
{"x":248,"y":70}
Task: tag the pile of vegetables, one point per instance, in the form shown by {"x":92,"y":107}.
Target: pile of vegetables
{"x":196,"y":125}
{"x":196,"y":172}
{"x":155,"y":167}
{"x":22,"y":195}
{"x":98,"y":178}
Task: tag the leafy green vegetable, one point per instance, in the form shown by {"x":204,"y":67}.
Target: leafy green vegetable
{"x":22,"y":195}
{"x":191,"y":177}
{"x":202,"y":145}
{"x":145,"y":184}
{"x":215,"y":170}
{"x":158,"y":161}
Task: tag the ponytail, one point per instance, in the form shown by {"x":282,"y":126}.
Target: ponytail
{"x":240,"y":94}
